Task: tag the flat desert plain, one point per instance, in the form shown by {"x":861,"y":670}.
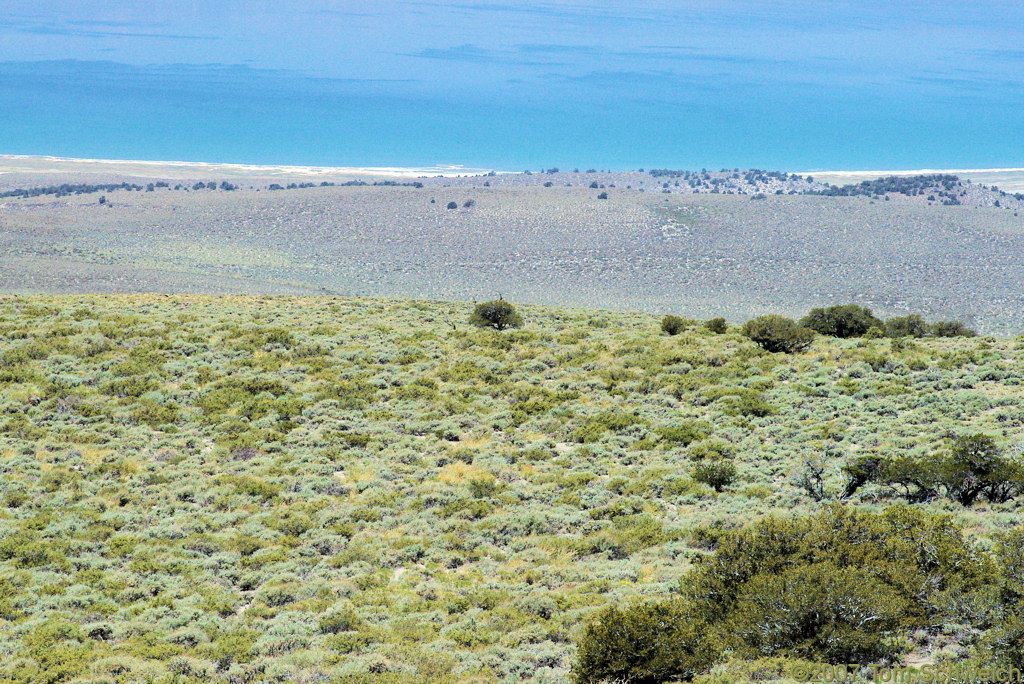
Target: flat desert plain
{"x":542,"y":239}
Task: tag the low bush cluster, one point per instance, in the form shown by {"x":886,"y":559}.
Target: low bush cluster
{"x":848,"y":320}
{"x":844,"y":586}
{"x":673,"y":325}
{"x":779,"y":334}
{"x":775,"y":333}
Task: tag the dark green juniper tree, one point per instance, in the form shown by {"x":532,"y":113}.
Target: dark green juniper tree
{"x":778,"y":334}
{"x":497,"y":314}
{"x":846,"y":320}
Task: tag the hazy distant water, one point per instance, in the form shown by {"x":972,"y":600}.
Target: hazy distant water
{"x":794,"y":85}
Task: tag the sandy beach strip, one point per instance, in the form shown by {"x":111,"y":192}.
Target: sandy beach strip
{"x":181,"y":169}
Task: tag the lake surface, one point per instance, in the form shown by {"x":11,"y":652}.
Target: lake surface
{"x":617,"y":85}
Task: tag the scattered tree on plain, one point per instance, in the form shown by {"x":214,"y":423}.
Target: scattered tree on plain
{"x":673,"y":325}
{"x":497,"y":314}
{"x":776,"y":333}
{"x":846,"y":320}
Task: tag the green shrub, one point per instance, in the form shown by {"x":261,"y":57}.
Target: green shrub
{"x":636,"y":532}
{"x":255,"y":487}
{"x":17,"y":356}
{"x":711,"y":450}
{"x":8,"y":595}
{"x":646,"y":644}
{"x":594,"y":429}
{"x":497,"y":314}
{"x":673,"y":325}
{"x":294,"y":524}
{"x":684,"y":433}
{"x":277,"y":336}
{"x":778,"y":334}
{"x":15,"y":498}
{"x":975,"y":467}
{"x":906,"y":326}
{"x":951,"y":329}
{"x":153,"y":414}
{"x":900,"y":547}
{"x":915,"y":479}
{"x":751,"y":405}
{"x":233,"y":645}
{"x":820,"y":612}
{"x":1007,"y":641}
{"x":716,"y":474}
{"x":859,"y":472}
{"x":844,"y":586}
{"x":58,"y":653}
{"x":25,"y":551}
{"x":340,"y":620}
{"x":483,"y":487}
{"x":350,"y":642}
{"x":716,"y":325}
{"x":872,"y":575}
{"x":132,"y":386}
{"x":846,"y":320}
{"x":1010,"y":553}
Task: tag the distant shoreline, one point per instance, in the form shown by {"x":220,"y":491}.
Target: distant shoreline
{"x":10,"y":163}
{"x":906,"y":172}
{"x":1007,"y":178}
{"x":441,"y":169}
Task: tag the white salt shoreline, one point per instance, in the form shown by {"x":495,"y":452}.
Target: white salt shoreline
{"x":34,"y":164}
{"x":906,"y":172}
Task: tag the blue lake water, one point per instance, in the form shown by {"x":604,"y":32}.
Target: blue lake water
{"x":784,"y":85}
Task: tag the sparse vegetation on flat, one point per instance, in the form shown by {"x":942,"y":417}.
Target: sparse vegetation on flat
{"x":647,"y":247}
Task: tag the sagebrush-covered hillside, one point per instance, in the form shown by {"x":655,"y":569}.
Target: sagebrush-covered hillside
{"x":301,"y":489}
